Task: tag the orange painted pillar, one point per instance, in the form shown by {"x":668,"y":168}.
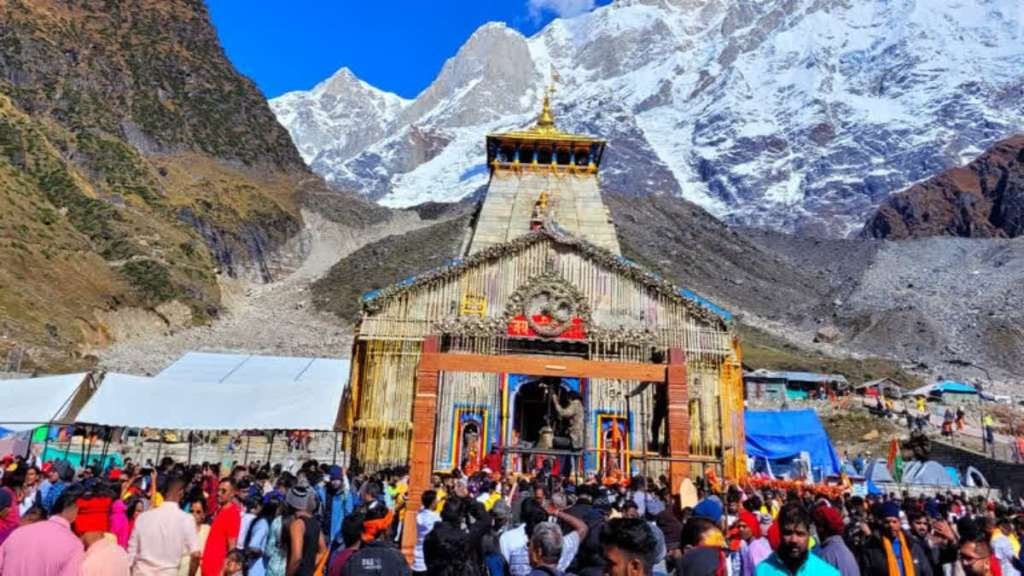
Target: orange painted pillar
{"x":424,"y":420}
{"x":678,"y":417}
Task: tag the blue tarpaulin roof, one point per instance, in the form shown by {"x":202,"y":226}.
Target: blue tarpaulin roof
{"x":954,"y":386}
{"x":778,"y":435}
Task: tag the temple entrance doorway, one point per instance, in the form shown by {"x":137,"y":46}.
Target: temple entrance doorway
{"x":533,"y":422}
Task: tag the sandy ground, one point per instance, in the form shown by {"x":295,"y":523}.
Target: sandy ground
{"x":272,"y":319}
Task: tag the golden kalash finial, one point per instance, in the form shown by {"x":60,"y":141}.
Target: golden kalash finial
{"x":546,"y":120}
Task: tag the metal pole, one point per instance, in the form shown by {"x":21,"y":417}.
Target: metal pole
{"x":159,"y":447}
{"x":68,"y":447}
{"x":334,"y":458}
{"x":643,"y":430}
{"x":106,"y":446}
{"x":46,"y":444}
{"x":83,"y":449}
{"x":629,"y":422}
{"x":270,"y":445}
{"x":28,"y":446}
{"x":88,"y":451}
{"x":245,"y":459}
{"x":190,"y":439}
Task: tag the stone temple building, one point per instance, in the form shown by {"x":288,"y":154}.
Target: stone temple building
{"x":542,"y":314}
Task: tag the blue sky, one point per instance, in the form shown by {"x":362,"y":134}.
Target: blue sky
{"x":396,"y":46}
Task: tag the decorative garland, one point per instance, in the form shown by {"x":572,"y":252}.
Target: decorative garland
{"x":374,"y":301}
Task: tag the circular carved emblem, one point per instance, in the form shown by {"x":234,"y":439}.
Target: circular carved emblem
{"x":549,"y":310}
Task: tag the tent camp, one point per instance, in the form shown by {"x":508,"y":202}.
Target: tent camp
{"x":203,"y":391}
{"x":929,"y":472}
{"x":878,"y":471}
{"x":974,"y":478}
{"x":27,"y":403}
{"x":783,"y":435}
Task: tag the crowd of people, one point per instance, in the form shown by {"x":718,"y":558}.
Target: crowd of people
{"x":321,"y":520}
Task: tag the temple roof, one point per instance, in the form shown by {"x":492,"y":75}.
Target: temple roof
{"x":698,"y":306}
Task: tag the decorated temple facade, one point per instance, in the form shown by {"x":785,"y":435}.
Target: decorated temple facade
{"x":542,"y":309}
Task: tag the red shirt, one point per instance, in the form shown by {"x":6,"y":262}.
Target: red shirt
{"x":225,"y":526}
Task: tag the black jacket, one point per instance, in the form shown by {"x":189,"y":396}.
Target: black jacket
{"x":450,"y":550}
{"x":377,"y":558}
{"x":874,"y":563}
{"x":937,"y":556}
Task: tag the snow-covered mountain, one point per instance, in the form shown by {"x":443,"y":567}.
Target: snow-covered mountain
{"x":799,"y":114}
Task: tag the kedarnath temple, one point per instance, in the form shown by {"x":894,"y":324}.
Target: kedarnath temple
{"x":543,"y":342}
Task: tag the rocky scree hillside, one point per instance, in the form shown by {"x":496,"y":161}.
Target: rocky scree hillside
{"x":984,"y":199}
{"x":802,"y":115}
{"x":862,"y":307}
{"x":135,"y":165}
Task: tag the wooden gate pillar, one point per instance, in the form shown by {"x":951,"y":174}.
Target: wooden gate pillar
{"x":424,"y":421}
{"x":678,"y":417}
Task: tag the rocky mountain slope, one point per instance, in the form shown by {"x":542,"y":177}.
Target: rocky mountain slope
{"x":800,"y":115}
{"x":136,"y":165}
{"x":984,"y":199}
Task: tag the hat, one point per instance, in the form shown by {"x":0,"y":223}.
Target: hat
{"x":114,"y":474}
{"x":751,"y":521}
{"x":334,"y":472}
{"x":47,"y":467}
{"x":298,"y":495}
{"x":7,"y":459}
{"x":888,"y":510}
{"x":709,"y":508}
{"x":93,"y":515}
{"x":830,"y":518}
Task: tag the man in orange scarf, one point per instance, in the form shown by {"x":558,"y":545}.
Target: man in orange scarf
{"x":892,"y":552}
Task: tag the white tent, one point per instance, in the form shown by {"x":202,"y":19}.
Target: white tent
{"x":27,"y":403}
{"x":203,"y":391}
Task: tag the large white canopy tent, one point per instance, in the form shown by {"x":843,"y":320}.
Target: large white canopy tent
{"x":205,"y":391}
{"x":27,"y":403}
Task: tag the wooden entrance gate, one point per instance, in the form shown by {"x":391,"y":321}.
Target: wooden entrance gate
{"x":433,"y":362}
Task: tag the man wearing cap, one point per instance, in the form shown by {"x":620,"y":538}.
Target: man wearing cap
{"x":833,"y":549}
{"x":892,"y":553}
{"x":793,"y":557}
{"x":60,"y":475}
{"x":163,"y":535}
{"x":47,"y":548}
{"x":103,"y":557}
{"x":337,"y":503}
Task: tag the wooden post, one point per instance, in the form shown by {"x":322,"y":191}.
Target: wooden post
{"x":678,"y":417}
{"x":245,"y":461}
{"x":424,"y":421}
{"x":270,"y":445}
{"x":334,"y":457}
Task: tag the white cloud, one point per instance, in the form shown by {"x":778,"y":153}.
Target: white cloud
{"x":560,"y":8}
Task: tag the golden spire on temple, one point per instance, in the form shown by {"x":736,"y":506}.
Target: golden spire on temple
{"x":546,"y":120}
